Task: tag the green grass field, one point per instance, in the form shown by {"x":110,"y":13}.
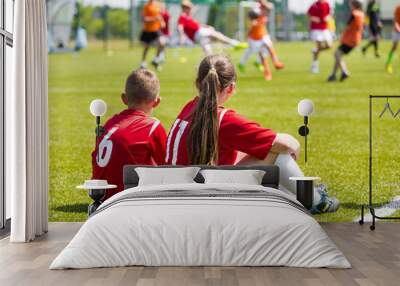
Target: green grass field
{"x":338,"y":146}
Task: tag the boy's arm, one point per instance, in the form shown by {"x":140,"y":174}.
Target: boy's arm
{"x":158,"y":142}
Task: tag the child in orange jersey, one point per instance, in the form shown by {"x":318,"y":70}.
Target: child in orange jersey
{"x":351,"y":37}
{"x":152,"y":24}
{"x":260,"y":41}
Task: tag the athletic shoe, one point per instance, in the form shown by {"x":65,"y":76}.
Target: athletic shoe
{"x":241,"y":46}
{"x":279,"y":65}
{"x":156,"y":65}
{"x":332,"y":78}
{"x":241,"y":68}
{"x":364,"y":51}
{"x":344,"y":76}
{"x":389,"y":69}
{"x":315,"y":68}
{"x":327,"y":204}
{"x":259,"y":66}
{"x":377,"y":55}
{"x":143,"y":65}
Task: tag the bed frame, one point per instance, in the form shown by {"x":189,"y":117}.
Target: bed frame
{"x":270,"y":179}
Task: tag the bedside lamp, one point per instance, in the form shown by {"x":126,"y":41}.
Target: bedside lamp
{"x":98,"y":108}
{"x":305,"y":108}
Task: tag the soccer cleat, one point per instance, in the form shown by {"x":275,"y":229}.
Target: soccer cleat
{"x":156,"y":65}
{"x":143,"y":65}
{"x":241,"y":67}
{"x":344,"y":76}
{"x":389,"y":69}
{"x":332,"y":78}
{"x":364,"y":51}
{"x":327,"y":204}
{"x":259,"y":66}
{"x":279,"y":65}
{"x":241,"y":46}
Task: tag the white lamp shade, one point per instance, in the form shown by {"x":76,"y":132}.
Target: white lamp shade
{"x":305,"y":107}
{"x":98,"y":107}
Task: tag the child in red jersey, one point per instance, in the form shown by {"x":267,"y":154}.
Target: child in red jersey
{"x":132,"y":136}
{"x":351,"y":38}
{"x":201,"y":34}
{"x":319,"y":14}
{"x":165,"y":32}
{"x":205,"y":133}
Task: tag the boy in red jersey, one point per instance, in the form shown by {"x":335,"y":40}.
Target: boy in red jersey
{"x":165,"y":32}
{"x":132,"y":136}
{"x":205,"y":133}
{"x":351,"y":37}
{"x":319,"y":14}
{"x":201,"y":34}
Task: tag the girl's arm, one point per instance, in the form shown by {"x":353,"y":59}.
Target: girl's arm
{"x":285,"y":143}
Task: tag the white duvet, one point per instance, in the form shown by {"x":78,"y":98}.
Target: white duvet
{"x":244,"y":226}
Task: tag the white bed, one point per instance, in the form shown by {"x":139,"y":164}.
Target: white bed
{"x":201,"y":225}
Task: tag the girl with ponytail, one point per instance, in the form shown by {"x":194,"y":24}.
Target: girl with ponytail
{"x":205,"y":133}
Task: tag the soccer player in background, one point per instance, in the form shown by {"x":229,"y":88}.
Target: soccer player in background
{"x":319,"y":14}
{"x":260,"y":41}
{"x":351,"y":37}
{"x":132,"y":136}
{"x":205,"y":133}
{"x":165,"y":32}
{"x":375,"y":26}
{"x":201,"y":34}
{"x":152,"y":24}
{"x":396,"y":39}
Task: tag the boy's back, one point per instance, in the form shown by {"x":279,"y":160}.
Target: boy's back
{"x":132,"y":136}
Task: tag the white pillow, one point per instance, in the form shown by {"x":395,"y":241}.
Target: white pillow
{"x":166,"y":176}
{"x":247,"y":177}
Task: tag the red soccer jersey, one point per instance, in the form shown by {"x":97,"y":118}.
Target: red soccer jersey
{"x":190,"y":26}
{"x":236,"y":133}
{"x":165,"y":30}
{"x":320,"y":10}
{"x":130,"y":137}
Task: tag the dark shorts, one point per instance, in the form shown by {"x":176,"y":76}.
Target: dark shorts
{"x":149,"y":37}
{"x":345,"y":49}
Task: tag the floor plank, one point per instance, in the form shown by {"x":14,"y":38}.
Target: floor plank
{"x":375,"y":257}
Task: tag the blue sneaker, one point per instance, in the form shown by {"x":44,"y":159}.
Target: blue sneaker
{"x":327,"y":204}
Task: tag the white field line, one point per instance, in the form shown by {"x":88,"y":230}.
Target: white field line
{"x":384,"y":211}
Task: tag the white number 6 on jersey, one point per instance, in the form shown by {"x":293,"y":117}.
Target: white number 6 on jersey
{"x":105,"y":149}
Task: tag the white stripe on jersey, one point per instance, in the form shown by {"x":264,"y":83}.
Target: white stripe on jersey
{"x":171,"y":133}
{"x":155,"y":125}
{"x":221,"y":116}
{"x":182,"y":127}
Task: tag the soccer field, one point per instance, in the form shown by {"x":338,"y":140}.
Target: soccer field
{"x":338,"y":143}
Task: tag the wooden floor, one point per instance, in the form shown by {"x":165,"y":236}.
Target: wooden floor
{"x":375,"y":257}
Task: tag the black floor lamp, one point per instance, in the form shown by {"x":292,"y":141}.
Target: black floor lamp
{"x":305,"y":109}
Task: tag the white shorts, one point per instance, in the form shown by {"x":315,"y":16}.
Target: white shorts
{"x":257,"y":45}
{"x":321,"y":36}
{"x":202,"y":36}
{"x":396,"y":36}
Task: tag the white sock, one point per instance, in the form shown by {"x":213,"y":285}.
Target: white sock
{"x":143,"y":64}
{"x":289,"y":168}
{"x":245,"y":57}
{"x":233,"y":42}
